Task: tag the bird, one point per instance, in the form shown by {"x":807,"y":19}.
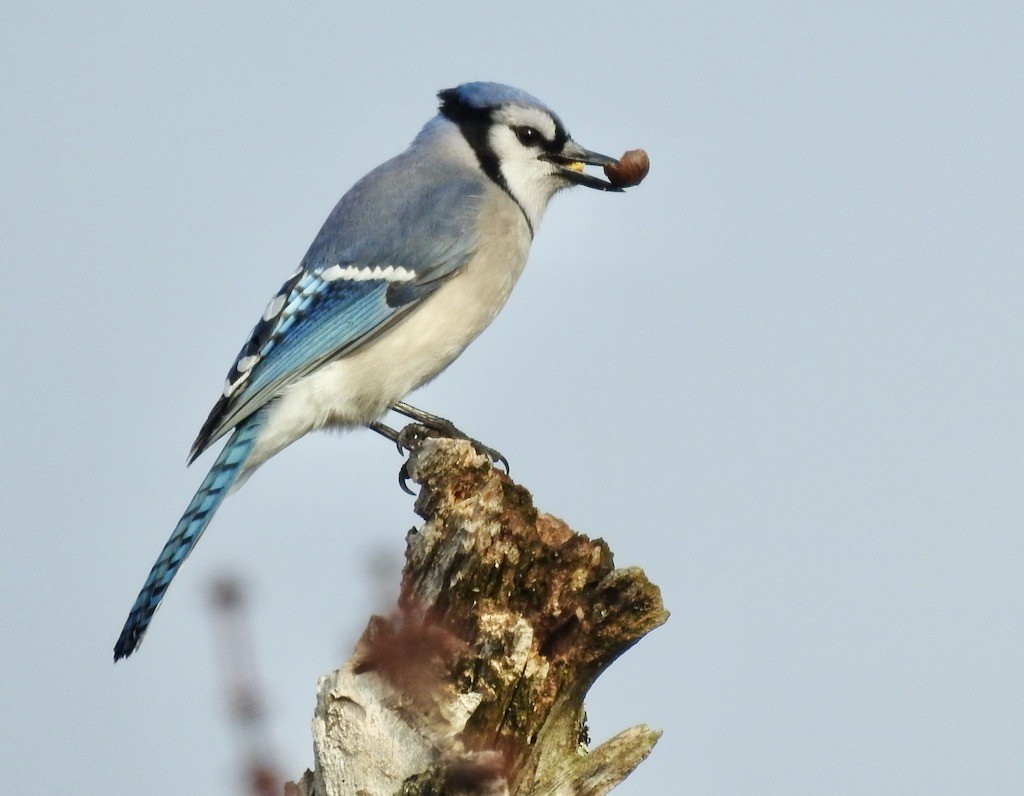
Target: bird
{"x":414,"y":261}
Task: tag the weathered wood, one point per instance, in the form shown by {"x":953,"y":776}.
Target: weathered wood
{"x":476,"y":684}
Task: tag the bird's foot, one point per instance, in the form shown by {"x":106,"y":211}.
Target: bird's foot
{"x":445,"y":428}
{"x":413,"y":435}
{"x":409,"y":438}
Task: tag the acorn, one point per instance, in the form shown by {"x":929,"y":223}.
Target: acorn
{"x":630,"y":170}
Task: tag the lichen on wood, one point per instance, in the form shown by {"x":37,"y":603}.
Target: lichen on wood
{"x":476,"y":684}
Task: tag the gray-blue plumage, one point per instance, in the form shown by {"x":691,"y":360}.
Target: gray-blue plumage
{"x":410,"y":266}
{"x":397,"y":215}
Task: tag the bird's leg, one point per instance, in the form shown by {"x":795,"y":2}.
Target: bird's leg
{"x":388,"y":433}
{"x":408,"y":438}
{"x":446,"y":428}
{"x":395,"y":437}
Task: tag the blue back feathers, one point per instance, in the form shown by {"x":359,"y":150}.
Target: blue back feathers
{"x":409,"y":213}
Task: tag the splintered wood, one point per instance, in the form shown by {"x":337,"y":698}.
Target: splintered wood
{"x":476,"y":684}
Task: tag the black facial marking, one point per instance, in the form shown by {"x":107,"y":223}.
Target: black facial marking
{"x":474,"y":123}
{"x":557,"y":144}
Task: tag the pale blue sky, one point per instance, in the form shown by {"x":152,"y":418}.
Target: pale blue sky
{"x":783,"y":376}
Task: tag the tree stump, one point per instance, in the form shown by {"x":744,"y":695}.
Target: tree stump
{"x":476,"y":684}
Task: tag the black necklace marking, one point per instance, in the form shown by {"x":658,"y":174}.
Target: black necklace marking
{"x":474,"y":123}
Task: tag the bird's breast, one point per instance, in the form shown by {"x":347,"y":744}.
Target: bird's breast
{"x":424,"y":343}
{"x":360,"y":387}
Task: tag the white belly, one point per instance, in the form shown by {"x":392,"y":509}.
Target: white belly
{"x":359,"y":388}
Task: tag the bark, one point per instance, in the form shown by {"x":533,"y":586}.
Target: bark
{"x":476,"y":684}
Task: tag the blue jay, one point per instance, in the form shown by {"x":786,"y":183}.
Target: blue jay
{"x":410,"y":266}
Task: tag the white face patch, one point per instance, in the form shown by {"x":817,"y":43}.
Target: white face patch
{"x":530,"y":180}
{"x":352,"y":273}
{"x":518,"y":116}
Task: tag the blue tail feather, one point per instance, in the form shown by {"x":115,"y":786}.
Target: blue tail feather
{"x":197,"y":516}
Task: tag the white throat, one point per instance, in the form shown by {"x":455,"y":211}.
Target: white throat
{"x":531,"y":181}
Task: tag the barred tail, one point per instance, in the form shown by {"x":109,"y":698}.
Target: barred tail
{"x":197,"y":516}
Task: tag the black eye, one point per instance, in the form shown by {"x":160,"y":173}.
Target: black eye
{"x":527,"y":136}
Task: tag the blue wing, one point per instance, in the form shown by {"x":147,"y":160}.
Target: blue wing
{"x":391,"y":241}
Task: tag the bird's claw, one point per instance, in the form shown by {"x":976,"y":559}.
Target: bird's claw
{"x":409,"y":439}
{"x":496,"y":456}
{"x":403,"y":478}
{"x":412,"y":435}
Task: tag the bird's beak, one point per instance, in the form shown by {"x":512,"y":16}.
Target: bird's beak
{"x":573,"y":158}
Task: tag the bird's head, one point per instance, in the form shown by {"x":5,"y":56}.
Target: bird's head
{"x":520,"y":143}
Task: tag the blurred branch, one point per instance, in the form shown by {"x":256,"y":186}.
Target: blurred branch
{"x":476,"y":684}
{"x":237,"y":656}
